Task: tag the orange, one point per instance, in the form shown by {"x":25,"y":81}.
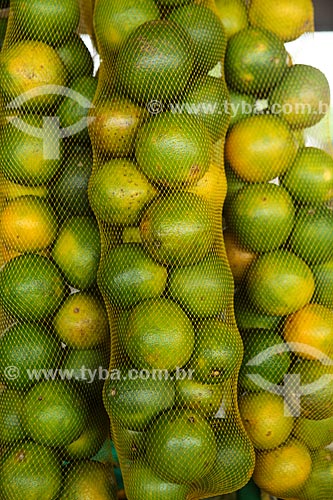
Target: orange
{"x":261,"y":147}
{"x":279,"y":283}
{"x":28,"y":224}
{"x":282,"y":471}
{"x":311,"y":326}
{"x":287,"y":19}
{"x":239,"y":259}
{"x":265,"y":420}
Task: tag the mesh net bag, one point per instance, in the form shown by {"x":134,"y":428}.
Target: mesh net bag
{"x":278,"y":235}
{"x":158,"y":184}
{"x":54,"y":332}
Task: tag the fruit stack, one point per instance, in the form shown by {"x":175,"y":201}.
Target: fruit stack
{"x":54,"y":327}
{"x":279,"y":241}
{"x":157,"y":190}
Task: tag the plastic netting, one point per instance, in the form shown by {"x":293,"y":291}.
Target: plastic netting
{"x":157,"y":190}
{"x":54,"y":337}
{"x":278,"y":233}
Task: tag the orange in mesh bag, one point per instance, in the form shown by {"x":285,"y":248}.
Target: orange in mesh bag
{"x":279,"y":222}
{"x":157,"y":190}
{"x":54,"y":340}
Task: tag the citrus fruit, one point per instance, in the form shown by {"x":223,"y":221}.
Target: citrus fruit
{"x":115,"y":125}
{"x":312,"y":327}
{"x":28,"y":159}
{"x":77,"y":251}
{"x":88,"y":367}
{"x":234,"y":462}
{"x":29,"y":348}
{"x":314,"y":386}
{"x":323,"y":275}
{"x":241,"y":106}
{"x":248,"y":317}
{"x":74,"y":109}
{"x":320,"y":482}
{"x":23,"y":59}
{"x":212,"y":187}
{"x":208,"y":99}
{"x":204,"y":398}
{"x":89,"y":480}
{"x":261,"y":216}
{"x":28,"y":471}
{"x":152,"y":341}
{"x":239,"y":259}
{"x":134,"y":401}
{"x":255,"y":61}
{"x":265,"y":355}
{"x":186,"y":448}
{"x":302,"y":97}
{"x":217,"y":353}
{"x":76,"y":57}
{"x":118,"y":192}
{"x":46,"y":21}
{"x":281,"y":472}
{"x":116,"y":22}
{"x":154,"y":53}
{"x":288,"y":20}
{"x":10,"y":190}
{"x":69,"y":193}
{"x":314,"y":433}
{"x":31,"y":287}
{"x":82,"y":322}
{"x":259,"y":148}
{"x":28,"y":224}
{"x":202,"y":297}
{"x":265,"y":420}
{"x":54,"y":414}
{"x":310,"y":178}
{"x":202,"y":26}
{"x":177,"y":229}
{"x":144,"y":483}
{"x":11,"y":408}
{"x":92,"y":437}
{"x":279,"y":283}
{"x":233,"y":16}
{"x":312,"y":236}
{"x":128,"y":275}
{"x":173,"y":149}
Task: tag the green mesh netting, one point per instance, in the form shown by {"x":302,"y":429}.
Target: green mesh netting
{"x":159,"y":122}
{"x":54,"y":332}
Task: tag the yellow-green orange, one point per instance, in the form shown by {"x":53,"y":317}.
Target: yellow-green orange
{"x":128,"y":275}
{"x":82,"y":321}
{"x":187,"y":446}
{"x":259,"y":148}
{"x":152,"y":341}
{"x":288,"y":20}
{"x":261,"y":216}
{"x":77,"y":251}
{"x":177,"y":229}
{"x":265,"y":420}
{"x":29,"y":471}
{"x":28,"y":224}
{"x":281,"y":472}
{"x":119,"y":192}
{"x":31,"y":287}
{"x":279,"y":283}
